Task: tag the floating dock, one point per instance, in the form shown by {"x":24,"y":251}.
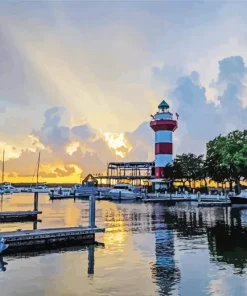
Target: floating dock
{"x":214,"y":204}
{"x":49,"y":238}
{"x":161,"y":199}
{"x":19,"y":216}
{"x":30,"y":240}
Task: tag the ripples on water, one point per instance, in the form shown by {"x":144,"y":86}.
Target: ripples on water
{"x":146,"y":250}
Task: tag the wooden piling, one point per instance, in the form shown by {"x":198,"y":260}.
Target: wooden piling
{"x":36,"y":201}
{"x":92,"y":211}
{"x":91,"y":259}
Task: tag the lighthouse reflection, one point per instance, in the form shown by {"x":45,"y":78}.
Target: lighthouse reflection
{"x":164,"y":270}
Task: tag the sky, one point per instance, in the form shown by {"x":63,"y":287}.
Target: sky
{"x":79,"y":80}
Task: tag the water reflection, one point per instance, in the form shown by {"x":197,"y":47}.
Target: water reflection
{"x":90,"y":250}
{"x":225,"y":231}
{"x":164,"y":270}
{"x":2,"y":264}
{"x":178,"y":250}
{"x":227,"y":242}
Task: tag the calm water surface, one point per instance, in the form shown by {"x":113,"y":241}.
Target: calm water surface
{"x":146,"y":250}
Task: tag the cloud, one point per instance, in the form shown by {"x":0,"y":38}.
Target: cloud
{"x":67,"y":171}
{"x":12,"y":175}
{"x":68,"y":72}
{"x":83,"y":131}
{"x":52,"y":134}
{"x":201,"y":119}
{"x":142,"y":139}
{"x":47,"y":175}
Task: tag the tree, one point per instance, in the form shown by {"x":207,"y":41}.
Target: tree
{"x":173,"y":171}
{"x":191,"y":166}
{"x":227,"y":157}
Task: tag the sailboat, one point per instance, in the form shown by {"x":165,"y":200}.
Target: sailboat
{"x":6,"y":187}
{"x":39,"y":187}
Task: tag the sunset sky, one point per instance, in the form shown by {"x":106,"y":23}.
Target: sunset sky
{"x":79,"y":80}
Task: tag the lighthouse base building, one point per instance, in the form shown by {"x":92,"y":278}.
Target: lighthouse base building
{"x":163,"y":125}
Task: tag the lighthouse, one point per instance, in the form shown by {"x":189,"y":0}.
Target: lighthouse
{"x":163,"y":125}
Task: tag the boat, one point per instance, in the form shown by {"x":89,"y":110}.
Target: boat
{"x":60,"y":193}
{"x":239,"y":198}
{"x":39,"y":187}
{"x":3,"y":246}
{"x":124,"y":191}
{"x":8,"y":188}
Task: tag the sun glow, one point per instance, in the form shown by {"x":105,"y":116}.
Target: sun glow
{"x":72,"y":147}
{"x":118,"y":142}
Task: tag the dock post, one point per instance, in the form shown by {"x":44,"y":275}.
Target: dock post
{"x":90,"y":260}
{"x":35,"y":224}
{"x":199,"y":196}
{"x":92,"y":211}
{"x":36,"y":201}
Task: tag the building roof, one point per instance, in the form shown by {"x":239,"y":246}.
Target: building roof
{"x":163,"y":105}
{"x":159,"y":181}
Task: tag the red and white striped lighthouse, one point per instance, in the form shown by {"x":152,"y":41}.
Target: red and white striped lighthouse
{"x":163,"y":125}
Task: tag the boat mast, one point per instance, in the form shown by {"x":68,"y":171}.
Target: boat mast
{"x":38,"y":169}
{"x":3,"y":168}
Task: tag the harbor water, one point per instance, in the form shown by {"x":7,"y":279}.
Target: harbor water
{"x":147,"y":249}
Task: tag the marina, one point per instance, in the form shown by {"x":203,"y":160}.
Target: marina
{"x":147,"y":239}
{"x":45,"y":238}
{"x":123,"y":148}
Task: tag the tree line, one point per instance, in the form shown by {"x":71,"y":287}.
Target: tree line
{"x":225,"y":161}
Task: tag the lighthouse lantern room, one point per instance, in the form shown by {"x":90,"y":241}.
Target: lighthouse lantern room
{"x":163,"y":125}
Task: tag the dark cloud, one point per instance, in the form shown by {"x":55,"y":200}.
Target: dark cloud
{"x":142,"y":140}
{"x":11,"y":175}
{"x":52,"y":134}
{"x":47,"y":175}
{"x":200,"y":119}
{"x":84,"y":132}
{"x":65,"y":172}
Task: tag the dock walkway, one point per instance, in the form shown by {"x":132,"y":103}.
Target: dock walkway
{"x":19,"y":215}
{"x":43,"y":238}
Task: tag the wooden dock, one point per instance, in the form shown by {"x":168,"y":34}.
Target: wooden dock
{"x":49,"y":238}
{"x":173,"y":199}
{"x":19,"y":216}
{"x":31,"y":240}
{"x":214,"y":204}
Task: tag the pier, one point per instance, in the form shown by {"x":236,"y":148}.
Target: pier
{"x":15,"y":216}
{"x":27,"y":240}
{"x":19,"y":216}
{"x":167,"y":200}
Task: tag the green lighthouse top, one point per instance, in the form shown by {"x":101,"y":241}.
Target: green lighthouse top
{"x":163,"y":105}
